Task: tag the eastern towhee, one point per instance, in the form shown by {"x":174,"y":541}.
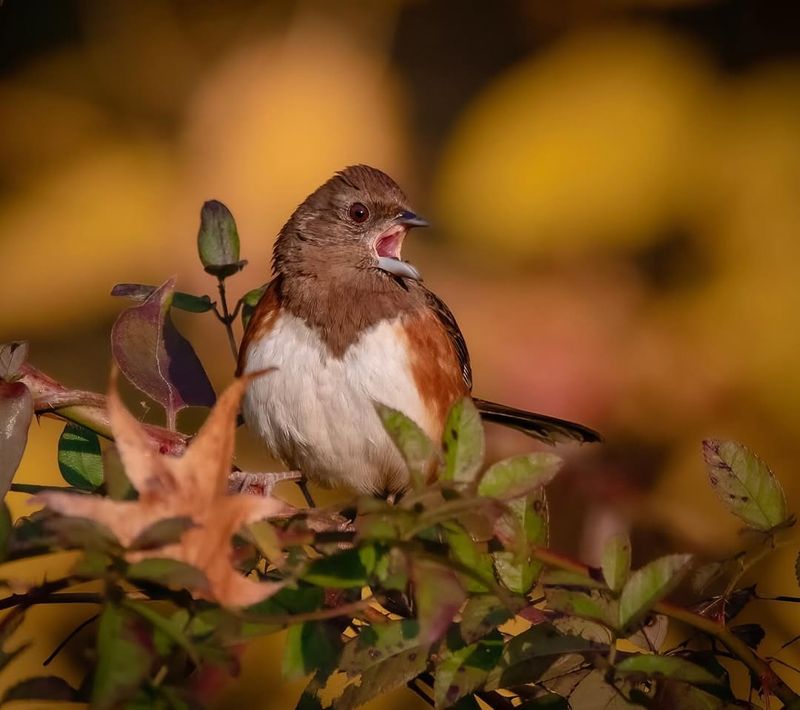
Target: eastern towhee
{"x":346,"y":322}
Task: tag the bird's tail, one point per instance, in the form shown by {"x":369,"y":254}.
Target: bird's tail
{"x":547,"y":429}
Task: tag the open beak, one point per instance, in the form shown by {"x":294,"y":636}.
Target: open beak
{"x":390,"y":241}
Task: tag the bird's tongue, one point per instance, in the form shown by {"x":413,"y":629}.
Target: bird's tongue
{"x":389,"y":243}
{"x":387,"y":247}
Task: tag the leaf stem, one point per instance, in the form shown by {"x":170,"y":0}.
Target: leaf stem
{"x":227,"y":318}
{"x":770,"y":681}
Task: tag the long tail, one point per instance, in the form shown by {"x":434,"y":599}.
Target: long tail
{"x":547,"y":429}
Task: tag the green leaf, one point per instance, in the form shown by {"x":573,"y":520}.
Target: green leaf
{"x":672,"y":667}
{"x":463,"y":443}
{"x":45,"y":688}
{"x":171,"y":628}
{"x":343,"y":570}
{"x":249,"y":302}
{"x":464,"y":670}
{"x":218,"y":240}
{"x":79,"y":457}
{"x":529,"y":654}
{"x":163,"y":532}
{"x":465,"y":550}
{"x":649,"y":585}
{"x":481,"y":615}
{"x":83,"y":533}
{"x":391,"y":570}
{"x":524,"y":526}
{"x":745,"y":484}
{"x":12,"y":358}
{"x":592,"y":604}
{"x":16,"y":412}
{"x":616,"y":561}
{"x":297,"y":600}
{"x":439,"y":596}
{"x":118,"y":485}
{"x":378,"y":643}
{"x":169,"y":573}
{"x":180,"y":300}
{"x":519,"y":475}
{"x":417,"y":450}
{"x":124,"y":656}
{"x":312,"y":646}
{"x":383,"y":677}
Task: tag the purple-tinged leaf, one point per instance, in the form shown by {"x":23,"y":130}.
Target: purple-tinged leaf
{"x":16,"y":411}
{"x":12,"y":358}
{"x":218,"y":240}
{"x":439,"y":596}
{"x":156,"y":358}
{"x":125,"y":654}
{"x":180,"y":300}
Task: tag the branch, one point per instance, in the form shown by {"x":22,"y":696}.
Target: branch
{"x":88,"y":409}
{"x":227,"y":318}
{"x":770,"y":681}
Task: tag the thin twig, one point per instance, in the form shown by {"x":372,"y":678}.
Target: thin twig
{"x":227,"y":319}
{"x":71,"y":635}
{"x":26,"y":600}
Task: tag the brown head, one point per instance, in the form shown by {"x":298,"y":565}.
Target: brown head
{"x":357,"y":220}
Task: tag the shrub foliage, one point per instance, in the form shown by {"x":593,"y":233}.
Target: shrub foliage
{"x":452,"y":591}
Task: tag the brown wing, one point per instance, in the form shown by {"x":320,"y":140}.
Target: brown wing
{"x":445,"y":316}
{"x":261,"y":322}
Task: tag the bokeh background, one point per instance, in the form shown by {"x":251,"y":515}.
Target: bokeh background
{"x":613,"y":186}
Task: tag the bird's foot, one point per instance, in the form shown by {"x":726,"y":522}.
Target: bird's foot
{"x":260,"y":484}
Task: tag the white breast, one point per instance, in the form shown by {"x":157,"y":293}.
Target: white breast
{"x":315,"y":411}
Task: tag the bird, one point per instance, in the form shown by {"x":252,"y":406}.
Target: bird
{"x":344,"y":323}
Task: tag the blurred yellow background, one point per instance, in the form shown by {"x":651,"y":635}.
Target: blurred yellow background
{"x":614,"y":191}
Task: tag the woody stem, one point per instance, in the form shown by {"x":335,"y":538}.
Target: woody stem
{"x":227,"y":318}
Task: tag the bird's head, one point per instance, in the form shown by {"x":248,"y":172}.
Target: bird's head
{"x":357,"y":219}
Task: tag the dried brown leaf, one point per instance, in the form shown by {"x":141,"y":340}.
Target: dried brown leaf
{"x":192,"y":486}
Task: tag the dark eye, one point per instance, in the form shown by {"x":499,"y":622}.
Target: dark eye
{"x":358,"y":212}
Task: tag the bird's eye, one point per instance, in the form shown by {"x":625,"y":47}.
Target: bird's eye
{"x":358,"y":212}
